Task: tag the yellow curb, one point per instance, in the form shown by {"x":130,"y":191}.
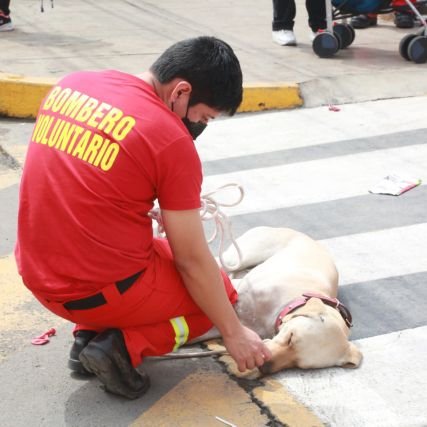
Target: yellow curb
{"x":21,"y":96}
{"x":261,"y":97}
{"x":198,"y":399}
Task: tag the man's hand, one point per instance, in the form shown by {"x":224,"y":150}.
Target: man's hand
{"x":203,"y":281}
{"x":247,"y":349}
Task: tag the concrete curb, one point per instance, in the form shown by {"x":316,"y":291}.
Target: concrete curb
{"x":260,"y":97}
{"x":21,"y":96}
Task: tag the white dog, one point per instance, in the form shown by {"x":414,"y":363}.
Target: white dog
{"x":289,"y":298}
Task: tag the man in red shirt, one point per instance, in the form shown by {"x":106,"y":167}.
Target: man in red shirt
{"x":105,"y":146}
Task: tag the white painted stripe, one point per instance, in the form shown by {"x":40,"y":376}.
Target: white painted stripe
{"x":388,"y":390}
{"x":380,"y":254}
{"x":240,"y":135}
{"x":320,"y":180}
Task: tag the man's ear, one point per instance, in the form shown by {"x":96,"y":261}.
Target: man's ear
{"x":182,"y":88}
{"x":352,"y":357}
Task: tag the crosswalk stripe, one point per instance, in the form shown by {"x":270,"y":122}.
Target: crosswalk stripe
{"x":341,"y":217}
{"x":386,"y":305}
{"x":286,"y":156}
{"x":321,"y":180}
{"x":308,"y":127}
{"x":363,"y":397}
{"x":361,"y":257}
{"x":377,"y":241}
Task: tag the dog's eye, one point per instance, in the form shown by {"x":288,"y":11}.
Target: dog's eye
{"x":300,"y":315}
{"x":322,"y":319}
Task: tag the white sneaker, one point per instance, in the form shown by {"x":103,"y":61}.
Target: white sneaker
{"x":5,"y":23}
{"x":284,"y":37}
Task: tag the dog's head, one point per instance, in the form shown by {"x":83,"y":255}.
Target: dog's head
{"x":313,"y":336}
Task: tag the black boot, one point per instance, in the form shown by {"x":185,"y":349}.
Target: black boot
{"x":106,"y":356}
{"x":81,"y":340}
{"x":363,"y":21}
{"x":404,"y":20}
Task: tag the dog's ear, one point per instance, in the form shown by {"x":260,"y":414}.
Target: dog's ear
{"x":352,"y":357}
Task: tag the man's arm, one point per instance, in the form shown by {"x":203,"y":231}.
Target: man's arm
{"x":203,"y":280}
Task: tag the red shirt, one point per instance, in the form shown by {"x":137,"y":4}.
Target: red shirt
{"x":103,"y":149}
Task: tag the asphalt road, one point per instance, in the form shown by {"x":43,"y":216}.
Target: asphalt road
{"x":309,"y":169}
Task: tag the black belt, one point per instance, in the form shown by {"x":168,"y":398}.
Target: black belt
{"x":99,"y":299}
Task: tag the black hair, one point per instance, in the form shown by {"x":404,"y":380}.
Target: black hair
{"x":210,"y":66}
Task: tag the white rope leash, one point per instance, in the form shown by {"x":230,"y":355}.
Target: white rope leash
{"x":211,"y":210}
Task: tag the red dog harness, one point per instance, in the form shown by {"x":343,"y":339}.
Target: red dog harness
{"x":300,"y":301}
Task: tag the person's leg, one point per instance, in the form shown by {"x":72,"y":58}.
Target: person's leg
{"x":106,"y":356}
{"x":284,"y":12}
{"x":4,"y":7}
{"x":152,"y":317}
{"x":364,"y":21}
{"x":316,"y":14}
{"x":283,"y":22}
{"x":403,"y":15}
{"x":5,"y":21}
{"x":83,"y":335}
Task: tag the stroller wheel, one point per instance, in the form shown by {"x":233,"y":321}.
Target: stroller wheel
{"x":404,"y":44}
{"x":326,"y":45}
{"x":344,"y":33}
{"x":353,"y":33}
{"x":417,"y":49}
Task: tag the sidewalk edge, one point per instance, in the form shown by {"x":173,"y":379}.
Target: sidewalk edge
{"x":21,"y":96}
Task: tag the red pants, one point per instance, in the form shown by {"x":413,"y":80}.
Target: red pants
{"x":156,"y":315}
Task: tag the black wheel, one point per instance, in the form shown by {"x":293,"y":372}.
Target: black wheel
{"x":344,"y":33}
{"x":353,"y":33}
{"x":326,"y":45}
{"x":404,"y":44}
{"x":417,"y":49}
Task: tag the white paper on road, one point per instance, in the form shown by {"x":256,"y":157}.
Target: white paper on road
{"x":395,"y":185}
